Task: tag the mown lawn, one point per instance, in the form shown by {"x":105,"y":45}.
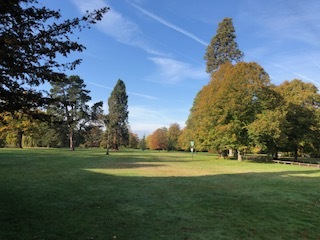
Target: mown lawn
{"x":59,"y":194}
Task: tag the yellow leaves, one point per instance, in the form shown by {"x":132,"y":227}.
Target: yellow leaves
{"x":224,"y":107}
{"x":16,"y":121}
{"x":299,"y":92}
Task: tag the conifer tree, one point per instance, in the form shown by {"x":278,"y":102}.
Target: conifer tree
{"x":70,"y":105}
{"x":223,"y":47}
{"x":117,"y":118}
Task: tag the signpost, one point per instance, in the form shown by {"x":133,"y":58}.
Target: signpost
{"x":192,"y":147}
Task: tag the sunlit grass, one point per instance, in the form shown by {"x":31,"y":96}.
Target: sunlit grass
{"x":59,"y":194}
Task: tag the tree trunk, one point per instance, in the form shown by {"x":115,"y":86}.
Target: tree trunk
{"x":230,"y":152}
{"x":239,"y":156}
{"x":108,"y":142}
{"x":295,"y":155}
{"x":107,"y":153}
{"x":19,"y":138}
{"x":71,"y":140}
{"x":275,"y":155}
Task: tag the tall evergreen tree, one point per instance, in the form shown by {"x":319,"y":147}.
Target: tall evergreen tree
{"x":31,"y":37}
{"x":117,"y":118}
{"x":70,"y":104}
{"x":223,"y":47}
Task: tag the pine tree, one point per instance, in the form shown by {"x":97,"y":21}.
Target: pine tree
{"x":223,"y":47}
{"x":70,"y":104}
{"x":117,"y":118}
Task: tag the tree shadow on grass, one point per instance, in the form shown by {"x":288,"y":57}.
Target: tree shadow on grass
{"x":74,"y":203}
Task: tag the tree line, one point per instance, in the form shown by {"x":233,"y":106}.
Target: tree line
{"x":31,"y":38}
{"x":239,"y":109}
{"x":68,"y":121}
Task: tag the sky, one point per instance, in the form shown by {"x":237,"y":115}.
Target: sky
{"x":157,"y":49}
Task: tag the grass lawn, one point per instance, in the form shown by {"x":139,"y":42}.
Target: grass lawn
{"x":59,"y":194}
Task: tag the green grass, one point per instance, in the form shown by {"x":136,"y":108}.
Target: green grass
{"x":58,"y":194}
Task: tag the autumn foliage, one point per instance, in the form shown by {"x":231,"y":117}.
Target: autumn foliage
{"x":240,"y":109}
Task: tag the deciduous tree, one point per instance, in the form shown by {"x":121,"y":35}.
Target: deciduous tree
{"x":267,"y":130}
{"x":158,"y":140}
{"x":301,"y":103}
{"x":133,"y":140}
{"x":31,"y":38}
{"x":17,"y":124}
{"x":174,"y":133}
{"x":224,"y":108}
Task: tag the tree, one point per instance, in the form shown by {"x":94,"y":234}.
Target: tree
{"x":16,"y":124}
{"x":143,"y":143}
{"x":267,"y":130}
{"x":174,"y":133}
{"x":51,"y":134}
{"x":185,"y":138}
{"x":133,"y":140}
{"x":31,"y":39}
{"x":70,"y":105}
{"x":158,"y":140}
{"x":224,"y":109}
{"x":117,"y":118}
{"x":93,"y":135}
{"x":316,"y":135}
{"x":223,"y":47}
{"x":301,"y":104}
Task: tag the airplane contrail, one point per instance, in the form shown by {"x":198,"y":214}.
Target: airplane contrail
{"x":170,"y":25}
{"x":197,"y":39}
{"x":288,"y":70}
{"x":131,"y":93}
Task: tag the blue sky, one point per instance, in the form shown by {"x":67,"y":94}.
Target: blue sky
{"x":157,"y":49}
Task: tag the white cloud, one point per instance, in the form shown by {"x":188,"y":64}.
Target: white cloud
{"x":170,"y":71}
{"x":115,"y":25}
